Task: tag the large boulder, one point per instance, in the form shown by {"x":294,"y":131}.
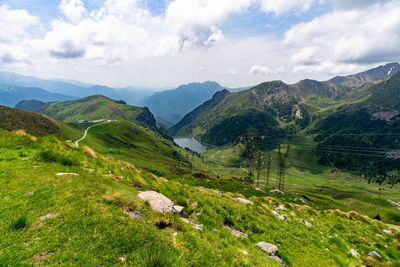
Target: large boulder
{"x":159,"y":202}
{"x":268,"y":247}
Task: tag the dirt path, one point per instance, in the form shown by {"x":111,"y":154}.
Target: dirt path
{"x":87,"y":129}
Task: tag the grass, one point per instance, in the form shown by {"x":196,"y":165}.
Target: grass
{"x":81,"y":220}
{"x":90,"y":226}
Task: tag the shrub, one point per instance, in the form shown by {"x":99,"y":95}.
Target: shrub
{"x":52,"y":156}
{"x":19,"y":223}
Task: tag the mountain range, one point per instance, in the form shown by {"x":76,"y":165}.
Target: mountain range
{"x":283,"y":106}
{"x":170,"y":106}
{"x":73,"y":89}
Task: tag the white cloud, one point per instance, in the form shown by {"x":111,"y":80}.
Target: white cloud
{"x":347,"y":37}
{"x":123,"y":43}
{"x":73,"y":10}
{"x":281,"y":7}
{"x":16,"y":28}
{"x":258,"y":69}
{"x":15,"y":24}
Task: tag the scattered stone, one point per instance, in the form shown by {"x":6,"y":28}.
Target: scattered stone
{"x":304,"y":221}
{"x":243,"y":200}
{"x":194,"y":205}
{"x":375,"y":255}
{"x":244,"y":252}
{"x":277,"y":191}
{"x":299,"y":199}
{"x":280,"y":207}
{"x":178,"y":209}
{"x":135,"y":214}
{"x":47,"y":216}
{"x":39,"y":257}
{"x":175,"y":234}
{"x":379,"y":235}
{"x":277,"y":259}
{"x":387,"y":231}
{"x":66,"y":173}
{"x":236,"y":232}
{"x":89,"y":170}
{"x":354,"y":253}
{"x":195,"y":226}
{"x":157,"y":201}
{"x":282,"y":217}
{"x":259,"y":189}
{"x":30,"y":193}
{"x":122,"y":258}
{"x":25,"y":244}
{"x":268,"y":247}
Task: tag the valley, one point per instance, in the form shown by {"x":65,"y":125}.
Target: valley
{"x":288,"y":165}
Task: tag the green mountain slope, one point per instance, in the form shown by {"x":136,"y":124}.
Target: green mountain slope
{"x":98,"y":107}
{"x":371,"y":128}
{"x":31,"y":105}
{"x":263,"y":109}
{"x":32,"y":123}
{"x":83,"y":217}
{"x":273,"y":108}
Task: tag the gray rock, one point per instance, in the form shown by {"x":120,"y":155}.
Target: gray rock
{"x":375,"y":255}
{"x":387,"y":231}
{"x":236,"y":232}
{"x":277,"y":191}
{"x":277,"y":259}
{"x":281,"y":217}
{"x":268,"y":247}
{"x":243,"y":200}
{"x":178,"y":209}
{"x":304,"y":221}
{"x":157,"y":201}
{"x":135,"y":214}
{"x":66,"y":173}
{"x":195,"y":226}
{"x":354,"y":253}
{"x":47,"y":216}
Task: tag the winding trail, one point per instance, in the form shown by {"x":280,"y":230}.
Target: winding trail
{"x":87,"y":129}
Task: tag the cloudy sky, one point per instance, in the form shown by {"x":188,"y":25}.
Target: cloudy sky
{"x":165,"y":43}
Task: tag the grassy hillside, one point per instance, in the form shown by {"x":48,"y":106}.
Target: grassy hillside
{"x":31,"y":105}
{"x":370,"y":129}
{"x":50,"y":219}
{"x":133,"y":143}
{"x":98,"y":107}
{"x":32,"y":123}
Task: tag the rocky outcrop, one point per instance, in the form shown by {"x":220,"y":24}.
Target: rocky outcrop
{"x":160,"y":203}
{"x":269,"y":248}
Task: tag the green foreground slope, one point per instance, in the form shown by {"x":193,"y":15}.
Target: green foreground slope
{"x":50,"y":219}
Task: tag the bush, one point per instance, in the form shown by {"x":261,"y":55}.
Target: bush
{"x":52,"y":156}
{"x":19,"y":223}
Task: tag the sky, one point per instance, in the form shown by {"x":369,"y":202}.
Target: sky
{"x":166,"y":43}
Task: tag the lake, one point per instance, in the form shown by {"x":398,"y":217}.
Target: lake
{"x":191,"y":143}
